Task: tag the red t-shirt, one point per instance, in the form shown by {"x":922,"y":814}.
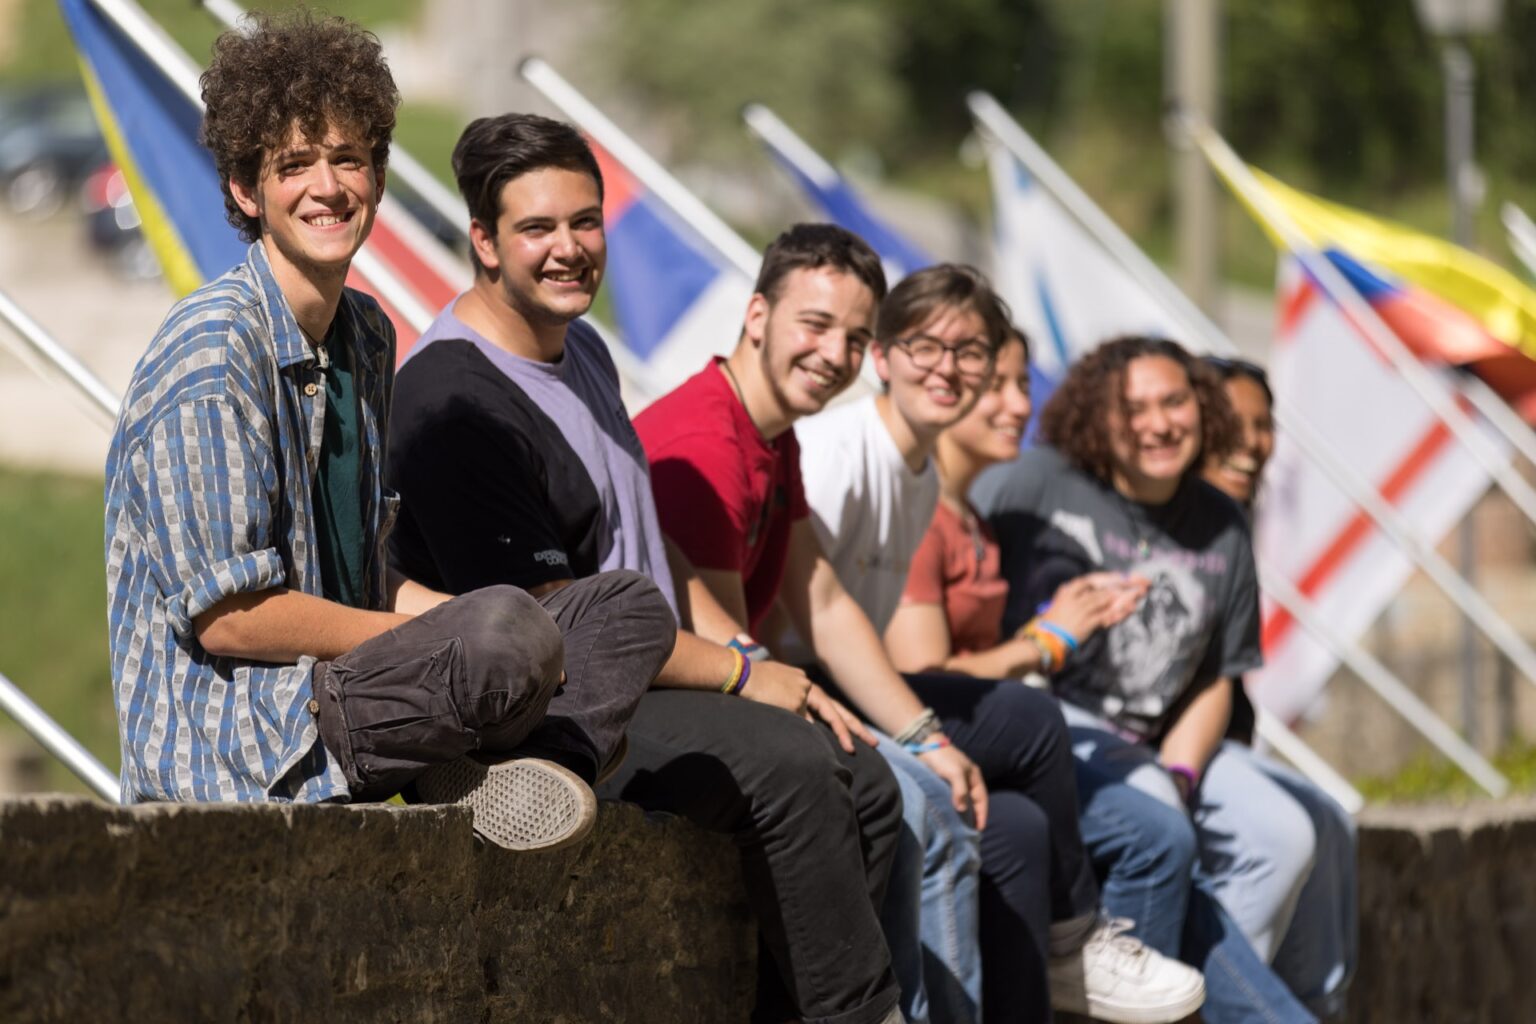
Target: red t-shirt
{"x":725,"y":496}
{"x":958,"y":567}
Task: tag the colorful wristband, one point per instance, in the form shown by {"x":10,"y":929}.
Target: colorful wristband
{"x":749,"y":648}
{"x":1186,"y":773}
{"x":1051,"y":627}
{"x":739,"y":670}
{"x":928,"y":746}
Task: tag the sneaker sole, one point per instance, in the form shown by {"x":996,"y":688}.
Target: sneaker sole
{"x":1167,"y":1013}
{"x":524,"y":804}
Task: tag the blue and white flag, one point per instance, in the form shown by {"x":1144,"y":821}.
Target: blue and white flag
{"x":832,"y":193}
{"x":1065,"y":291}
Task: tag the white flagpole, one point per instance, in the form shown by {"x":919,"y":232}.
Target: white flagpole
{"x":769,"y":127}
{"x":38,"y":350}
{"x":730,"y":245}
{"x":1011,"y":135}
{"x":1522,"y":235}
{"x":57,"y":742}
{"x":1307,"y":761}
{"x":1431,"y":389}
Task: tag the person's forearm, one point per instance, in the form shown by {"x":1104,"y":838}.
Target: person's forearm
{"x":1008,"y":660}
{"x":1193,"y":739}
{"x":846,"y":644}
{"x":407,"y":597}
{"x":696,"y":664}
{"x":280,"y":626}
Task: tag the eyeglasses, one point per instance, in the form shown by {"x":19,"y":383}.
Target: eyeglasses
{"x":972,"y":358}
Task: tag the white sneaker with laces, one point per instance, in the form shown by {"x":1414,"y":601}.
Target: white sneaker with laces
{"x":523,"y":804}
{"x":1115,"y":978}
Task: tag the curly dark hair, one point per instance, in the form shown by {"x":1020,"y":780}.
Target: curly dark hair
{"x":1075,"y":420}
{"x":297,"y":67}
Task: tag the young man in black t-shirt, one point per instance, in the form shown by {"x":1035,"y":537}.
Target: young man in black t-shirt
{"x":517,"y":464}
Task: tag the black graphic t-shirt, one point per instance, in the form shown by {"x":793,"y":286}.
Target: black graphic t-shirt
{"x":1199,"y":621}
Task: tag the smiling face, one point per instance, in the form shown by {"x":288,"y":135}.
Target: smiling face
{"x":316,"y":202}
{"x":1240,"y":472}
{"x":811,"y":338}
{"x":931,"y":399}
{"x":548,"y":250}
{"x":1154,"y":429}
{"x":992,"y":430}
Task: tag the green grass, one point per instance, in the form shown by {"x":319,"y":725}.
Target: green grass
{"x":53,"y":619}
{"x":1432,"y":778}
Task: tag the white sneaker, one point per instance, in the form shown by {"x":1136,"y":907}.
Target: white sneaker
{"x":1115,"y":978}
{"x":524,"y":804}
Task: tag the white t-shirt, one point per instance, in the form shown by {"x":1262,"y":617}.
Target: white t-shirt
{"x":868,"y":508}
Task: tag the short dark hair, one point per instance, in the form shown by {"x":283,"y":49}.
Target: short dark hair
{"x":300,"y":68}
{"x":494,"y":150}
{"x":1076,"y":421}
{"x":812,"y":246}
{"x":923,"y":293}
{"x":1230,"y":369}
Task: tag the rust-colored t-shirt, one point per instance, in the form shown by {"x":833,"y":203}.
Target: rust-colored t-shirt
{"x":958,"y":567}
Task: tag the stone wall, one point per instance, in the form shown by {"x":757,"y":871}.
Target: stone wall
{"x":212,"y":914}
{"x":1448,"y":915}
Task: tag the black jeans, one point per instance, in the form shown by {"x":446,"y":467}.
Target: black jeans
{"x":1034,"y":869}
{"x":481,"y":674}
{"x":816,"y":827}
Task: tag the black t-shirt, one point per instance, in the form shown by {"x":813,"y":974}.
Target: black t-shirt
{"x":515,"y":471}
{"x":1200,"y":619}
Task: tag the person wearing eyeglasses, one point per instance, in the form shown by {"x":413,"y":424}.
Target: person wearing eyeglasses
{"x":872,"y":488}
{"x":1320,"y":948}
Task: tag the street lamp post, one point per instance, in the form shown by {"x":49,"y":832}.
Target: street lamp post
{"x":1453,"y":22}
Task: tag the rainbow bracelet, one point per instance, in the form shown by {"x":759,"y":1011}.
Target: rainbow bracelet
{"x":1051,"y":627}
{"x":741,"y":671}
{"x":927,"y":746}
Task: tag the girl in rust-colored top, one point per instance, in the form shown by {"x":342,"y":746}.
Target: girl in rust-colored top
{"x":952,"y":609}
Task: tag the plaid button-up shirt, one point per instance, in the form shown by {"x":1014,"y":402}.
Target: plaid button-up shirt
{"x":208,"y":495}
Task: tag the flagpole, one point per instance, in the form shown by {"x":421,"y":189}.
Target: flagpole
{"x":700,"y":218}
{"x":38,"y":348}
{"x":1429,"y":388}
{"x":769,"y":127}
{"x":1362,"y":493}
{"x":1522,"y":235}
{"x":57,"y":742}
{"x":1307,"y":761}
{"x":1387,"y":686}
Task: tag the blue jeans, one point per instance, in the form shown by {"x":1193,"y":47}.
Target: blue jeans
{"x":930,"y":912}
{"x":1146,"y":852}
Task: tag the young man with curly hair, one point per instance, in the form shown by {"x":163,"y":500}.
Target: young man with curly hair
{"x":261,"y":649}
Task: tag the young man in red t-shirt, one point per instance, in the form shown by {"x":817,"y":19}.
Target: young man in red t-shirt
{"x":725,"y":471}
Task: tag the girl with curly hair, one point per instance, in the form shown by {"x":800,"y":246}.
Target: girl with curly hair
{"x":1117,"y":487}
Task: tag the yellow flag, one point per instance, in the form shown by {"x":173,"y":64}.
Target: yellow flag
{"x":1500,"y":301}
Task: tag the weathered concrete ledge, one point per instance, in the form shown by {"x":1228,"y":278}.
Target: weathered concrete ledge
{"x":1448,"y":914}
{"x":250,"y":914}
{"x":380,"y":913}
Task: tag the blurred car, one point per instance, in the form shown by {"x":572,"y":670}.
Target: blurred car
{"x":49,"y":145}
{"x":113,"y":225}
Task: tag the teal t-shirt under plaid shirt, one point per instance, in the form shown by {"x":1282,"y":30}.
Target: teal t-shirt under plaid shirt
{"x":342,"y":546}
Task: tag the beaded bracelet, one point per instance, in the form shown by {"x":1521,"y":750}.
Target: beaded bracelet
{"x":927,"y":746}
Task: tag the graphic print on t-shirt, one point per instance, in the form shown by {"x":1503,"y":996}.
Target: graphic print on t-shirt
{"x":1165,"y":631}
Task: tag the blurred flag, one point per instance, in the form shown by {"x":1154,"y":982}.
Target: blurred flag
{"x":832,"y":193}
{"x":150,"y":117}
{"x":1066,"y":292}
{"x":676,"y":300}
{"x":1447,"y":304}
{"x":1330,"y":374}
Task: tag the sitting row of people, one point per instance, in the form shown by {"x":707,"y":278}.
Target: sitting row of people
{"x":476,"y":580}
